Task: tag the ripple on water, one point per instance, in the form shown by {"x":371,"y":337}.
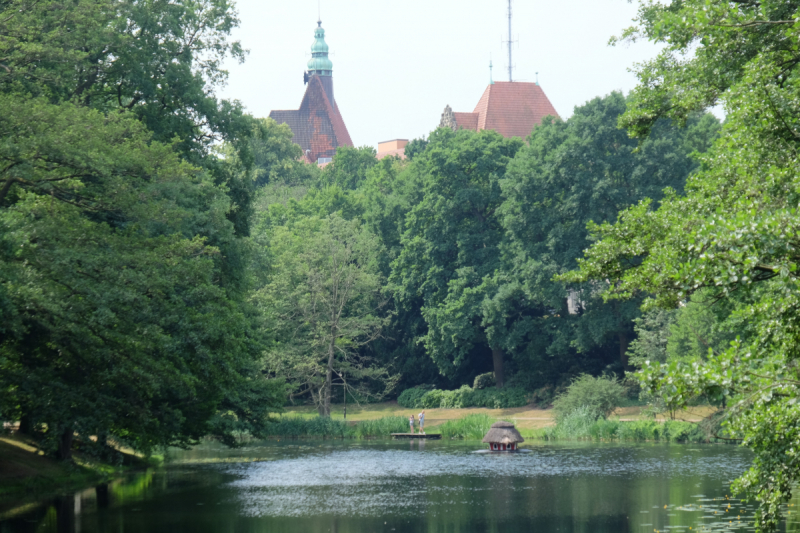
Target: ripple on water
{"x":377,"y":482}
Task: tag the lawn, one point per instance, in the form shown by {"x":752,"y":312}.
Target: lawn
{"x":523,"y":417}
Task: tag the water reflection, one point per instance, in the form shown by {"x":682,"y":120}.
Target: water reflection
{"x":415,"y":486}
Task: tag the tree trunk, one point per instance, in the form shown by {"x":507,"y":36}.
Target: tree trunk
{"x":326,"y":407}
{"x":26,"y":425}
{"x":103,"y":496}
{"x":65,"y":514}
{"x":623,"y":350}
{"x":499,"y":376}
{"x":65,"y":445}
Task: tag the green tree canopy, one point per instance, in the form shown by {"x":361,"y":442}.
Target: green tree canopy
{"x":571,"y":173}
{"x":322,"y":301}
{"x":734,"y":232}
{"x":122,"y":234}
{"x":451,"y":243}
{"x":349,"y":167}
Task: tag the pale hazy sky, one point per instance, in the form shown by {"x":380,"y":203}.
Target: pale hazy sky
{"x":397,"y":64}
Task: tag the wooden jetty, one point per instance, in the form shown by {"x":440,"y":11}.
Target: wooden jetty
{"x":432,"y":436}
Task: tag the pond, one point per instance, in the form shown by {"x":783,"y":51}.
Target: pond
{"x":435,"y":486}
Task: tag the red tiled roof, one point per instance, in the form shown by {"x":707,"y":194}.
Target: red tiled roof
{"x":467,"y":121}
{"x":318,"y":125}
{"x":512,"y":109}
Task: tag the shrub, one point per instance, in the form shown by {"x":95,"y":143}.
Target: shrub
{"x":484,"y":381}
{"x":411,"y":398}
{"x":498,"y":398}
{"x":600,"y":395}
{"x":472,"y":427}
{"x":463,"y":397}
{"x":576,"y":425}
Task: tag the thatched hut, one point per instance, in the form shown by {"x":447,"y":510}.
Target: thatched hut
{"x":503,"y":437}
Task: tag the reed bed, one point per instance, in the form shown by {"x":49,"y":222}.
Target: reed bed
{"x":471,"y":427}
{"x":582,"y":425}
{"x":299,"y":427}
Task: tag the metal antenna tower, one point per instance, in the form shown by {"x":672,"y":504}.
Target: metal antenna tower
{"x":510,"y":43}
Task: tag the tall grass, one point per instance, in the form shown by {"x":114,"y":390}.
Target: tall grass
{"x":471,"y":427}
{"x":582,"y":424}
{"x":382,"y":427}
{"x":296,"y":427}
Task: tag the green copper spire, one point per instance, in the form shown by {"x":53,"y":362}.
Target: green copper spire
{"x":491,"y":80}
{"x":319,"y":63}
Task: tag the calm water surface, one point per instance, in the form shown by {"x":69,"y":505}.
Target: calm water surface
{"x":354,"y":487}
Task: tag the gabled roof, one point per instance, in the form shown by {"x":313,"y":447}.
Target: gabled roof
{"x":512,"y":109}
{"x":318,"y":125}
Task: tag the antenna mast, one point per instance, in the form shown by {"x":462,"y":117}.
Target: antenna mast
{"x":510,"y":43}
{"x":510,"y":64}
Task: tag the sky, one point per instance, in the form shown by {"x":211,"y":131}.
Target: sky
{"x":396,"y":65}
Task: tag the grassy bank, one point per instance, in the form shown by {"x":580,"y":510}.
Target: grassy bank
{"x":26,"y":472}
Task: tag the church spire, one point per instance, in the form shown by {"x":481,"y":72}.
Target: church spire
{"x":319,"y":63}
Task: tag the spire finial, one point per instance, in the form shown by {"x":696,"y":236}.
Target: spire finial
{"x":320,"y":64}
{"x":491,"y":80}
{"x":537,"y":78}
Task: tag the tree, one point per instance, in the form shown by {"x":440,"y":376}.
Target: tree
{"x":122,"y":234}
{"x":112,"y":321}
{"x":323,"y":301}
{"x":392,"y":188}
{"x":450,"y":244}
{"x":416,"y":147}
{"x":570,"y":173}
{"x":349,"y":167}
{"x":734,"y":232}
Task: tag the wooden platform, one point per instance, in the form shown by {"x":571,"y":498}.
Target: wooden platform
{"x":433,"y":436}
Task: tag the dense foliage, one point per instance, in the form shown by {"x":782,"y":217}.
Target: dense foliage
{"x":733,"y":234}
{"x":171,"y":268}
{"x":462,"y":397}
{"x":598,"y":396}
{"x":122,"y":235}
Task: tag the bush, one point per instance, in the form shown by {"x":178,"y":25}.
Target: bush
{"x":498,"y":398}
{"x":484,"y":381}
{"x":410,"y":398}
{"x":472,"y":427}
{"x":463,"y":397}
{"x":576,"y":425}
{"x":600,"y":395}
{"x":543,"y":396}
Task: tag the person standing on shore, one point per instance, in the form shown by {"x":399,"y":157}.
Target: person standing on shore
{"x":422,"y":422}
{"x":411,"y":423}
